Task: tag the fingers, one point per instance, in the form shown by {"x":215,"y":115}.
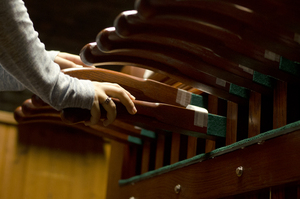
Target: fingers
{"x":64,"y":63}
{"x":75,"y":59}
{"x":102,"y":92}
{"x":124,"y":96}
{"x":71,"y":57}
{"x":110,"y":107}
{"x":95,"y":113}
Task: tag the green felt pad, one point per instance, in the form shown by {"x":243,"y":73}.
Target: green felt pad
{"x":198,"y":100}
{"x":239,"y":91}
{"x":263,"y":79}
{"x":289,"y":66}
{"x":216,"y":125}
{"x":134,"y":140}
{"x":217,"y":152}
{"x":148,"y":133}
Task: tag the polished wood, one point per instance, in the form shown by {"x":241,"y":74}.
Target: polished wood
{"x":206,"y":175}
{"x":205,"y":46}
{"x":129,"y":164}
{"x":254,"y":114}
{"x":279,"y":120}
{"x":175,"y":148}
{"x":159,"y":116}
{"x":150,"y":116}
{"x":115,"y":170}
{"x":280,"y":105}
{"x":35,"y":106}
{"x":139,"y":31}
{"x":232,"y":122}
{"x":242,"y":19}
{"x":38,"y":161}
{"x":160,"y":149}
{"x":142,"y":89}
{"x":90,"y":54}
{"x":212,"y":108}
{"x":7,"y":118}
{"x":174,"y":53}
{"x":192,"y":146}
{"x":97,"y":130}
{"x":280,"y":9}
{"x":146,"y":157}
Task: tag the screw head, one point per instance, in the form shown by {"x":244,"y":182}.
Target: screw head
{"x":239,"y":171}
{"x":177,"y":189}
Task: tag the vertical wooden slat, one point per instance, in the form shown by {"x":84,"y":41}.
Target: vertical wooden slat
{"x":49,"y":161}
{"x":175,"y":147}
{"x":18,"y":168}
{"x":254,"y":114}
{"x":277,"y":192}
{"x":61,"y":167}
{"x":3,"y":143}
{"x":146,"y":156}
{"x":212,"y":108}
{"x":280,"y":105}
{"x":254,"y":123}
{"x":192,"y":147}
{"x":129,"y":161}
{"x":160,"y":147}
{"x":115,"y":170}
{"x":8,"y":156}
{"x":232,"y":120}
{"x":279,"y":120}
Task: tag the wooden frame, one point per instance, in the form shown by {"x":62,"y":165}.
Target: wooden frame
{"x":253,"y":157}
{"x":202,"y":180}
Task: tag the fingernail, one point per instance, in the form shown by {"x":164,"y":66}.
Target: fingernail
{"x":134,"y":110}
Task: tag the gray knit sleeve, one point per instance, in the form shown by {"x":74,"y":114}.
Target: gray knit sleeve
{"x":24,"y":57}
{"x":8,"y":82}
{"x":52,"y":54}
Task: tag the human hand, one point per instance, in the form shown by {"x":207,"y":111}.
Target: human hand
{"x":102,"y":92}
{"x":67,"y":60}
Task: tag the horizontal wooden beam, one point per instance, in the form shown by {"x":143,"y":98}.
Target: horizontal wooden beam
{"x":7,"y":118}
{"x":267,"y":164}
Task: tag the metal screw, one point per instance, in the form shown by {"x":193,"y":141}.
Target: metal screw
{"x":261,"y":142}
{"x":239,"y":171}
{"x":177,"y":188}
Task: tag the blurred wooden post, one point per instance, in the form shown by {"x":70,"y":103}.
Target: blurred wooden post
{"x":254,"y":114}
{"x":232,"y":120}
{"x":159,"y":157}
{"x":279,"y":120}
{"x":213,"y":109}
{"x":175,"y":147}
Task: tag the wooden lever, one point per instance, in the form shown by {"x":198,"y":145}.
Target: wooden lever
{"x":68,"y":115}
{"x":77,"y":115}
{"x":150,"y":116}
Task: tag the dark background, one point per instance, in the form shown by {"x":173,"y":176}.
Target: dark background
{"x":67,"y":25}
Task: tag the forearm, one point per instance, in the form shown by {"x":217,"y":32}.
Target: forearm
{"x":10,"y":83}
